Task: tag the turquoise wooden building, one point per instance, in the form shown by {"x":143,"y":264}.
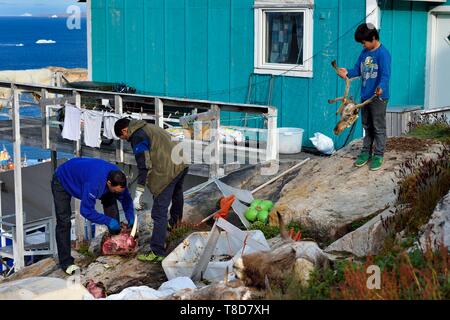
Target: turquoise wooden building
{"x":268,"y":51}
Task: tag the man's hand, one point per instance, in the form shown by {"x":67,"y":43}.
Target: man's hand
{"x":342,"y":72}
{"x":113,"y":226}
{"x":137,"y":202}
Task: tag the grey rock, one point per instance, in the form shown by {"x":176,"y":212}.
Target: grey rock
{"x":437,"y":231}
{"x":38,"y":269}
{"x":118,"y":273}
{"x":364,"y":241}
{"x":329,"y":194}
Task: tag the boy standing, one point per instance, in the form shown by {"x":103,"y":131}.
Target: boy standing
{"x":374,"y":68}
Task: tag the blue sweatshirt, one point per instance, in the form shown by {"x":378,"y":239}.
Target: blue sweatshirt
{"x":85,"y":179}
{"x":374,"y":68}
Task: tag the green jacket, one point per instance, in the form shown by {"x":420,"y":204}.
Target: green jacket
{"x":152,"y":147}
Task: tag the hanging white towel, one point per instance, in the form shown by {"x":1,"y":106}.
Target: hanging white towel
{"x":72,"y":119}
{"x":109,"y":120}
{"x":92,"y":127}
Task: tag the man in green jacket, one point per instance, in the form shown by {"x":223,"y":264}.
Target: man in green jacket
{"x":152,"y":148}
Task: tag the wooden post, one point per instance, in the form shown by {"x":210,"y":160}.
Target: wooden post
{"x":77,"y":98}
{"x":118,"y":105}
{"x":45,"y":120}
{"x":159,"y":114}
{"x":272,"y":135}
{"x":18,"y":241}
{"x":79,"y":220}
{"x":214,"y":170}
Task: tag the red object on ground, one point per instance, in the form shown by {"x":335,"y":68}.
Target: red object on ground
{"x":121,"y":244}
{"x":298,"y":236}
{"x":225,"y":205}
{"x":96,"y":289}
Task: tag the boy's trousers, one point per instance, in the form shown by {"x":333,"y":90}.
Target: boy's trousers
{"x":374,"y":124}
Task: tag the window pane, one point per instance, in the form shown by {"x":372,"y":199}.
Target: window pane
{"x":284,"y":37}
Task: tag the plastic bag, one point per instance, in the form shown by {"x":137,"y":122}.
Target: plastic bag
{"x":323,"y":143}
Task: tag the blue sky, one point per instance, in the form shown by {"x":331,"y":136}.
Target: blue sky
{"x":35,"y":7}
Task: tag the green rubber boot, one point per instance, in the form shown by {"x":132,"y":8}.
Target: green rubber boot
{"x":362,"y":159}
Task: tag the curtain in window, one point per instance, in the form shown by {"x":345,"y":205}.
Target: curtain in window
{"x":282,"y":25}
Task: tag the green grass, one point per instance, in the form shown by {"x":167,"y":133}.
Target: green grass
{"x":437,"y":131}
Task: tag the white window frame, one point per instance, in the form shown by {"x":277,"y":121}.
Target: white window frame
{"x":262,"y":67}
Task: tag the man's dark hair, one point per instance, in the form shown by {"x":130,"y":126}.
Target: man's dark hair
{"x":367,"y":32}
{"x":120,"y":125}
{"x":117,"y":178}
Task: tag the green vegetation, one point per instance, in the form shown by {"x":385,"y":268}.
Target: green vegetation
{"x":431,"y":127}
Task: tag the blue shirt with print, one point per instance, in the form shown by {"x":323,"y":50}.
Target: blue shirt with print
{"x":374,"y":68}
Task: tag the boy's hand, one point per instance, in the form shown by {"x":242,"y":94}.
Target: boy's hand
{"x":342,"y":72}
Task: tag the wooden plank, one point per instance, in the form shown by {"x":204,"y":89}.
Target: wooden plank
{"x":196,"y":49}
{"x":219,"y":50}
{"x":215,"y":144}
{"x":154,"y":32}
{"x":159,"y":112}
{"x":118,"y":105}
{"x":400,"y":53}
{"x":204,"y":259}
{"x":116,"y":38}
{"x":419,"y":18}
{"x":77,"y":144}
{"x":45,"y":121}
{"x":175,"y":73}
{"x":134,"y":43}
{"x":18,"y":234}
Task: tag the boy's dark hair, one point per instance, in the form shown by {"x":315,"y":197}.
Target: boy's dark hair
{"x":117,"y":178}
{"x":367,"y":32}
{"x":120,"y":125}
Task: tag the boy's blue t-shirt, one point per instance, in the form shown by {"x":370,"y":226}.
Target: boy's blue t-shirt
{"x":374,"y":68}
{"x":85,"y":179}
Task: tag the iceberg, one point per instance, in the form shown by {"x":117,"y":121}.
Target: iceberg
{"x":43,"y":41}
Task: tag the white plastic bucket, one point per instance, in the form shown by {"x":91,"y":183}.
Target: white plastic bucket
{"x":290,"y":140}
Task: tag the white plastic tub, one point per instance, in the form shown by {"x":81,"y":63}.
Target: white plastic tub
{"x":290,"y":140}
{"x":181,"y":261}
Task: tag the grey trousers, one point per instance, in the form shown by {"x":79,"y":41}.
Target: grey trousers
{"x":374,"y":124}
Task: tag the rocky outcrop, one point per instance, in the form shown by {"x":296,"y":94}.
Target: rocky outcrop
{"x":436,"y":232}
{"x":329,"y":194}
{"x":39,"y":269}
{"x":117,"y":273}
{"x":364,"y":241}
{"x":43,"y":76}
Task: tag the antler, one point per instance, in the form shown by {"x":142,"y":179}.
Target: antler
{"x":347,"y":86}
